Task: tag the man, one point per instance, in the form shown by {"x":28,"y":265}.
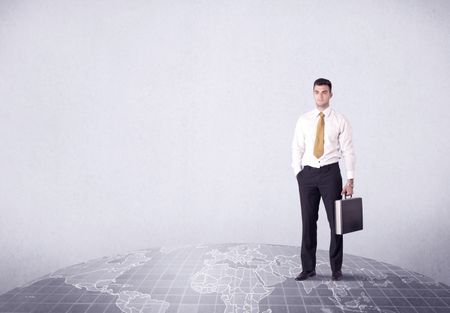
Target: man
{"x":321,"y":137}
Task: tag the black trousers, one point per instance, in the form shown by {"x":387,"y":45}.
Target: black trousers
{"x":314,"y":183}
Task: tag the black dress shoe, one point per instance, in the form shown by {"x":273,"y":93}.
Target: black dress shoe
{"x":305,"y":275}
{"x":336,"y":275}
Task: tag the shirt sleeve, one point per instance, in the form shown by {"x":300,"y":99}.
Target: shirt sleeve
{"x":298,"y":148}
{"x":346,"y":145}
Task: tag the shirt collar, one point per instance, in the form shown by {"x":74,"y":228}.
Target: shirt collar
{"x":326,"y":112}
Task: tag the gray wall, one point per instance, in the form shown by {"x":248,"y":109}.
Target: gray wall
{"x":134,"y":124}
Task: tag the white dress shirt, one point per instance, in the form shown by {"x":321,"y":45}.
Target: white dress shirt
{"x":338,"y":141}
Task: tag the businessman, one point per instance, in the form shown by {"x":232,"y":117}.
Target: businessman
{"x":322,"y":136}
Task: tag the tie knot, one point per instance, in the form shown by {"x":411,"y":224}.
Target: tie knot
{"x":321,"y":114}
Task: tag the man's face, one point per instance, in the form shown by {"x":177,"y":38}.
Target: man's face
{"x":322,"y":95}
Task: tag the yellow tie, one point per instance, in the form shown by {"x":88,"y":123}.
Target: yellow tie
{"x":318,"y":145}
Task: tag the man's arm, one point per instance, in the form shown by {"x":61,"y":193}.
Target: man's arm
{"x":346,"y":145}
{"x":298,"y":148}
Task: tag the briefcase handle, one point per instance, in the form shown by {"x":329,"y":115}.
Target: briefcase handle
{"x":345,"y":196}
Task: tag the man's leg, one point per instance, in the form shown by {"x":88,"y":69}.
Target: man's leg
{"x":330,"y":189}
{"x":309,"y":201}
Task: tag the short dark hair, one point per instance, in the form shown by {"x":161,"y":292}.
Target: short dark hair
{"x":321,"y":82}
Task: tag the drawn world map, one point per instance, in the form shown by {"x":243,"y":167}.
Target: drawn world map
{"x":228,"y":278}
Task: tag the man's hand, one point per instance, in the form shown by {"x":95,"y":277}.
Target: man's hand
{"x":348,"y":188}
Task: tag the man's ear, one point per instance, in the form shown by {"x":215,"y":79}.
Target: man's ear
{"x":331,"y":94}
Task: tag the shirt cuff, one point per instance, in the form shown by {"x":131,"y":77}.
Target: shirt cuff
{"x":297,"y":170}
{"x":350,"y":175}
